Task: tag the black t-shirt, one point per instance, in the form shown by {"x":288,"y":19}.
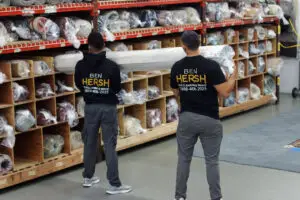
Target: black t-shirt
{"x":195,"y":77}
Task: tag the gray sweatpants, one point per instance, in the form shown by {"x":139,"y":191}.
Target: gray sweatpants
{"x":104,"y":116}
{"x":210,"y":131}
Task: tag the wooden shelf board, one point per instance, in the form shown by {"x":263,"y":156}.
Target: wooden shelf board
{"x":3,"y":106}
{"x":23,"y":102}
{"x":45,"y":98}
{"x":151,"y":135}
{"x":62,"y":155}
{"x":21,"y":164}
{"x":160,"y":97}
{"x":21,"y":78}
{"x":64,"y":94}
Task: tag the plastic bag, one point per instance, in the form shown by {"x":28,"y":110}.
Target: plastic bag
{"x":133,"y":126}
{"x":46,"y":27}
{"x":24,"y":120}
{"x":124,"y":76}
{"x":45,"y":117}
{"x":83,"y":27}
{"x":135,"y":97}
{"x":2,"y":77}
{"x":20,"y":68}
{"x":118,"y":46}
{"x":69,"y":30}
{"x":66,"y":62}
{"x":262,"y":47}
{"x":261,"y":33}
{"x":6,"y":164}
{"x":216,"y":12}
{"x":261,"y":65}
{"x":22,"y":2}
{"x":230,"y":35}
{"x":41,"y":68}
{"x":243,"y":53}
{"x":80,"y":106}
{"x":3,"y":35}
{"x":254,"y":50}
{"x":269,"y":46}
{"x":251,"y":67}
{"x":44,"y":90}
{"x":241,"y":68}
{"x":154,"y":44}
{"x":153,"y":92}
{"x":21,"y":92}
{"x":230,"y":101}
{"x":148,"y":18}
{"x":180,"y":17}
{"x":67,"y":112}
{"x":132,"y":18}
{"x":244,"y":95}
{"x":193,"y":16}
{"x":255,"y":91}
{"x":216,"y":38}
{"x":62,"y":87}
{"x":4,"y":3}
{"x":276,"y":10}
{"x":251,"y":34}
{"x":274,"y":66}
{"x":165,"y":18}
{"x":153,"y":117}
{"x":53,"y":145}
{"x":271,"y":34}
{"x":7,"y":131}
{"x":269,"y":85}
{"x":172,"y":110}
{"x":76,"y":140}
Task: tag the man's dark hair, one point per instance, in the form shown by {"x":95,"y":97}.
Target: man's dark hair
{"x":96,"y":41}
{"x":191,"y":40}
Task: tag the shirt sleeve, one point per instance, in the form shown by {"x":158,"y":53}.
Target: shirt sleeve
{"x":173,"y":81}
{"x":78,"y":78}
{"x":217,"y":76}
{"x":116,"y":79}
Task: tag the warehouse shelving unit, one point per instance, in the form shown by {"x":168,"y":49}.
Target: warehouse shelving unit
{"x":27,"y":155}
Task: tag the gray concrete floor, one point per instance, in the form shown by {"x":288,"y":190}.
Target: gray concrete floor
{"x":151,"y":172}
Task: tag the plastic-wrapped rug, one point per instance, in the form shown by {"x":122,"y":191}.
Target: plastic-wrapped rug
{"x":133,"y":126}
{"x":255,"y":91}
{"x":45,"y":117}
{"x":46,"y":27}
{"x":76,"y":140}
{"x":4,"y":3}
{"x":6,"y":164}
{"x":53,"y":145}
{"x":69,"y":30}
{"x":84,"y":27}
{"x":148,"y":18}
{"x":20,"y":92}
{"x":24,"y":120}
{"x":67,"y":113}
{"x":22,"y":2}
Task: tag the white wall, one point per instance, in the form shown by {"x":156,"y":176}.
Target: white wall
{"x":289,"y":77}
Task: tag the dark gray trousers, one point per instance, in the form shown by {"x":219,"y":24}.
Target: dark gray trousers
{"x":104,"y":116}
{"x":210,"y":131}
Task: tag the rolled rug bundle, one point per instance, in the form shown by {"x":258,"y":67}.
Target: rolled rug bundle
{"x":53,"y":145}
{"x":24,"y":120}
{"x":46,"y":27}
{"x":76,"y":140}
{"x":180,"y":17}
{"x":69,"y":30}
{"x":4,"y":3}
{"x":6,"y":164}
{"x":22,"y":2}
{"x":165,"y":17}
{"x":40,"y":2}
{"x":84,"y":27}
{"x":148,"y":18}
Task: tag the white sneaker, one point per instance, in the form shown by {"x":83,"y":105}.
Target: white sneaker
{"x":89,"y":182}
{"x":119,"y":190}
{"x":180,"y":199}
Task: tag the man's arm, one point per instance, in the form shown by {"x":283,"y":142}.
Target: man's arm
{"x":78,"y":78}
{"x":224,"y":89}
{"x":116,"y":80}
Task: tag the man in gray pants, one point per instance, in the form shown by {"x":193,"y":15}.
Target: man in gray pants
{"x":198,"y":81}
{"x":98,"y":78}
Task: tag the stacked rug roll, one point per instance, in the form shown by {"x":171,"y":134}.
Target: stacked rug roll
{"x":6,"y":164}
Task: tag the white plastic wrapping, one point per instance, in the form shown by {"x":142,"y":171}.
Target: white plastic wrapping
{"x":261,"y":65}
{"x":134,"y":97}
{"x":48,"y":29}
{"x":4,"y":36}
{"x":230,"y":35}
{"x":124,"y":76}
{"x":22,"y":2}
{"x":133,"y":126}
{"x":165,"y":18}
{"x":24,"y":120}
{"x":251,"y":67}
{"x":216,"y":38}
{"x":241,"y":69}
{"x":269,"y":46}
{"x":180,"y":17}
{"x":217,"y":12}
{"x":69,"y":30}
{"x":20,"y":92}
{"x":148,"y":18}
{"x":193,"y":16}
{"x":243,"y":53}
{"x":172,"y":110}
{"x":251,"y":34}
{"x":66,"y":62}
{"x":7,"y":131}
{"x":255,"y":91}
{"x":4,"y":3}
{"x":261,"y":33}
{"x":45,"y":117}
{"x":62,"y":87}
{"x":276,"y":10}
{"x":271,"y":34}
{"x":41,"y":68}
{"x":274,"y":66}
{"x":153,"y":117}
{"x":253,"y":50}
{"x":44,"y":90}
{"x":132,"y":18}
{"x":230,"y":101}
{"x":67,"y":113}
{"x":80,"y":106}
{"x":118,"y":46}
{"x":20,"y":68}
{"x":84,"y":27}
{"x":3,"y":77}
{"x":53,"y":145}
{"x":153,"y":92}
{"x":269,"y":85}
{"x":6,"y":164}
{"x":76,"y":140}
{"x":244,"y":95}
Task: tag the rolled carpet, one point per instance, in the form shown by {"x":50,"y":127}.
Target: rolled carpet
{"x":5,"y":164}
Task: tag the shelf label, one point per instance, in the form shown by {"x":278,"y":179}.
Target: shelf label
{"x":17,"y":50}
{"x":139,"y":36}
{"x":168,"y":32}
{"x":124,"y":37}
{"x":27,"y":12}
{"x":59,"y":164}
{"x":42,"y":47}
{"x":50,"y":9}
{"x":32,"y":173}
{"x":3,"y":181}
{"x":63,"y":44}
{"x":155,"y":33}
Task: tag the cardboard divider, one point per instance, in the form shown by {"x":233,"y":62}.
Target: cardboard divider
{"x":158,"y":104}
{"x":5,"y":67}
{"x":63,"y":130}
{"x":140,"y":85}
{"x":137,"y":111}
{"x":244,"y":83}
{"x":166,"y":82}
{"x":236,"y":50}
{"x":7,"y":94}
{"x":67,"y":98}
{"x":28,"y":149}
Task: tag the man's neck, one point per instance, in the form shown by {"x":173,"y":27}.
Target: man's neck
{"x":193,"y":53}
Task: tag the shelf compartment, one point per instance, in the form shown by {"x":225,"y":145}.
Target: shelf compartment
{"x":9,"y":115}
{"x":7,"y":95}
{"x":29,"y":83}
{"x":62,"y":129}
{"x":167,"y":82}
{"x":28,"y":106}
{"x":259,"y":81}
{"x":157,"y":82}
{"x":159,"y":104}
{"x":49,"y":79}
{"x":137,"y":111}
{"x":67,"y":80}
{"x":49,"y":105}
{"x":28,"y":150}
{"x":5,"y":68}
{"x":140,"y":85}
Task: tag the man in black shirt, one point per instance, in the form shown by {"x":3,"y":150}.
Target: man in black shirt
{"x":198,"y":81}
{"x":98,"y":78}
